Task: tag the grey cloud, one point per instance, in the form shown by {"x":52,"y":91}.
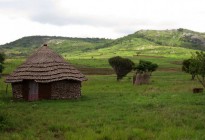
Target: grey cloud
{"x":46,"y":11}
{"x":27,"y":5}
{"x":59,"y":19}
{"x":31,"y":8}
{"x":125,"y":30}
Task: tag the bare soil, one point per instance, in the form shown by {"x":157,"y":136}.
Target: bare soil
{"x":96,"y":71}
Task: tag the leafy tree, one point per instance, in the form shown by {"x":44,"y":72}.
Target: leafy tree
{"x":199,"y":65}
{"x":143,"y":72}
{"x":121,"y":66}
{"x":189,"y":66}
{"x":2,"y":58}
{"x":146,"y":67}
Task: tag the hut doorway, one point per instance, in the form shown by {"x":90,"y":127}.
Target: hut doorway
{"x":44,"y":90}
{"x":33,"y":91}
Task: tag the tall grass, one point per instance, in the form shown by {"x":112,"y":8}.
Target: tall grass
{"x":164,"y":109}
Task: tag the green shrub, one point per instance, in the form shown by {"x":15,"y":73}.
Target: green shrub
{"x":121,"y":66}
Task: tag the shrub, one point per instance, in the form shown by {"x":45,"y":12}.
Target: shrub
{"x":143,"y":72}
{"x":2,"y":58}
{"x":198,"y":63}
{"x":188,"y":66}
{"x":121,"y":66}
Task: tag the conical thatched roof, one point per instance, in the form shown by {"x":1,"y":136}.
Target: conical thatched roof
{"x":45,"y":66}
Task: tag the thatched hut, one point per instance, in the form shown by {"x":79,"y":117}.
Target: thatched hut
{"x":46,"y":75}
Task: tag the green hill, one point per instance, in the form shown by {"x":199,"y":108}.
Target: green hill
{"x":146,"y":42}
{"x":26,"y":45}
{"x":180,"y":38}
{"x":169,"y":43}
{"x":176,"y":38}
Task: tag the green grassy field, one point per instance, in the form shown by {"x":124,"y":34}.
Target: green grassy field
{"x":164,"y":109}
{"x":164,"y":56}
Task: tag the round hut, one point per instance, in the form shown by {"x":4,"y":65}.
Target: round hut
{"x":46,"y":75}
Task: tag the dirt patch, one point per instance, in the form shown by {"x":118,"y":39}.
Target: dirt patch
{"x":96,"y":71}
{"x":109,"y":71}
{"x":169,"y":69}
{"x":176,"y":62}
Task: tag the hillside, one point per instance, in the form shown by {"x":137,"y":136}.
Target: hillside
{"x":169,"y":43}
{"x":25,"y":45}
{"x":147,"y":42}
{"x":177,"y":38}
{"x":180,"y":38}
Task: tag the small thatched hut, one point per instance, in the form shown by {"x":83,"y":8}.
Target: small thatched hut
{"x":46,"y":75}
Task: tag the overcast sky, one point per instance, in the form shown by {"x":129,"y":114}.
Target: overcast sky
{"x":96,"y":18}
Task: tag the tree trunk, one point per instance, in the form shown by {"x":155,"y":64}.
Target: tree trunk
{"x":201,"y":81}
{"x":146,"y":77}
{"x":141,"y":78}
{"x":134,"y":79}
{"x":138,"y":79}
{"x":192,"y":77}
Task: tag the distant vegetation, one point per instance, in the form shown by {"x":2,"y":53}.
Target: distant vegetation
{"x":2,"y":58}
{"x":174,"y":43}
{"x":179,"y":38}
{"x":64,"y":45}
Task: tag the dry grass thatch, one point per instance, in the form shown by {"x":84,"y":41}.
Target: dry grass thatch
{"x":45,"y":66}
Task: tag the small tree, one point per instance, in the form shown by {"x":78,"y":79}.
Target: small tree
{"x":143,"y":72}
{"x":2,"y":58}
{"x":189,"y":66}
{"x":121,"y":66}
{"x":199,"y":65}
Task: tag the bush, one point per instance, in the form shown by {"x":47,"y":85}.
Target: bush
{"x":198,"y":63}
{"x":188,"y":66}
{"x":121,"y":66}
{"x":146,"y":67}
{"x":143,"y":72}
{"x":2,"y":58}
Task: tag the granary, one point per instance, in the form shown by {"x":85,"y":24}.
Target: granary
{"x":46,"y":75}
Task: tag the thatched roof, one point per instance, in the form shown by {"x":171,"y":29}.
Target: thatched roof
{"x":45,"y":66}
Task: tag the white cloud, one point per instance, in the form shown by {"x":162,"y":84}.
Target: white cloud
{"x":96,"y":18}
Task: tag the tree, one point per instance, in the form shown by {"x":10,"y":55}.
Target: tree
{"x":144,"y":71}
{"x":199,"y":65}
{"x":2,"y":58}
{"x":189,"y":66}
{"x":121,"y":66}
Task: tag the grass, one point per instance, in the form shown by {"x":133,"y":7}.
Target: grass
{"x":111,"y":110}
{"x":164,"y":109}
{"x":11,"y":64}
{"x":130,"y":50}
{"x":163,"y":62}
